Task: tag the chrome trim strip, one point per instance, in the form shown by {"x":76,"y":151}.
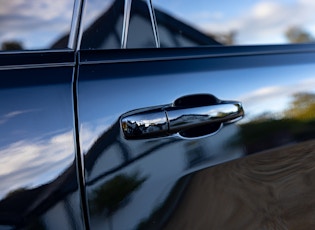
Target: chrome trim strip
{"x":34,"y":51}
{"x":75,"y":35}
{"x":36,"y":66}
{"x":126,"y":22}
{"x":154,"y":24}
{"x":183,"y":57}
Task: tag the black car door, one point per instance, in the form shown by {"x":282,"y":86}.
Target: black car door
{"x":211,"y":137}
{"x":38,"y":178}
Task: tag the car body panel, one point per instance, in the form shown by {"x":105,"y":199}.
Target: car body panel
{"x":171,"y":182}
{"x":39,"y":185}
{"x":67,"y":161}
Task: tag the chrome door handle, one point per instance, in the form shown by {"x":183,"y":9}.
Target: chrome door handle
{"x":171,"y":119}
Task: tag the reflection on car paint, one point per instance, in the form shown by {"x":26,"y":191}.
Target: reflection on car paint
{"x":205,"y":23}
{"x":37,"y":154}
{"x":116,"y":159}
{"x":255,"y":173}
{"x":244,"y":22}
{"x":270,"y":190}
{"x":162,"y":171}
{"x":34,"y":25}
{"x":139,"y":29}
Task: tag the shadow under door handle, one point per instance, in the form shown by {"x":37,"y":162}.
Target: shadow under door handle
{"x":168,"y":120}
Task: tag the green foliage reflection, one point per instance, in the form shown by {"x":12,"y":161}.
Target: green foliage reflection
{"x":297,"y":124}
{"x":111,"y":194}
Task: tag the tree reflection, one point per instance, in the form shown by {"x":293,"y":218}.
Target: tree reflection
{"x":11,"y":45}
{"x":302,"y":107}
{"x":115,"y":193}
{"x":296,"y":34}
{"x":296,"y":124}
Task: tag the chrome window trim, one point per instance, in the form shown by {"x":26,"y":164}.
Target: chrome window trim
{"x":154,"y":24}
{"x":75,"y":35}
{"x":169,"y":54}
{"x":34,"y":51}
{"x":37,"y":66}
{"x":126,"y":22}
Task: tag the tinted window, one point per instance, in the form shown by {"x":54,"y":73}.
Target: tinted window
{"x":240,"y":22}
{"x":33,"y":25}
{"x":104,"y":28}
{"x":188,"y":23}
{"x":103,"y":25}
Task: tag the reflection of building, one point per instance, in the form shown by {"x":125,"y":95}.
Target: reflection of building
{"x":163,"y":162}
{"x":55,"y":201}
{"x":106,"y":31}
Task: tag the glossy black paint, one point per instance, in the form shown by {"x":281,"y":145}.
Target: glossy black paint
{"x":39,"y":182}
{"x":153,"y":183}
{"x":66,"y":164}
{"x":14,"y":60}
{"x":161,"y":54}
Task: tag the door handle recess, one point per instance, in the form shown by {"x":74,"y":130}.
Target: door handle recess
{"x":170,"y":119}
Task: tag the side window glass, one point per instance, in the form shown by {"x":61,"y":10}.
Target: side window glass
{"x":35,"y":25}
{"x":243,"y":22}
{"x":107,"y":23}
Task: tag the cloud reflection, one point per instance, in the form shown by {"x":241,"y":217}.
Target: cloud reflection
{"x":266,"y":21}
{"x":274,"y":98}
{"x":29,"y":163}
{"x":34,"y":24}
{"x":261,"y":22}
{"x":6,"y":117}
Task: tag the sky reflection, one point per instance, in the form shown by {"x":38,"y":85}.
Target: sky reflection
{"x":38,"y":24}
{"x":34,"y":24}
{"x":252,"y":22}
{"x":29,"y":163}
